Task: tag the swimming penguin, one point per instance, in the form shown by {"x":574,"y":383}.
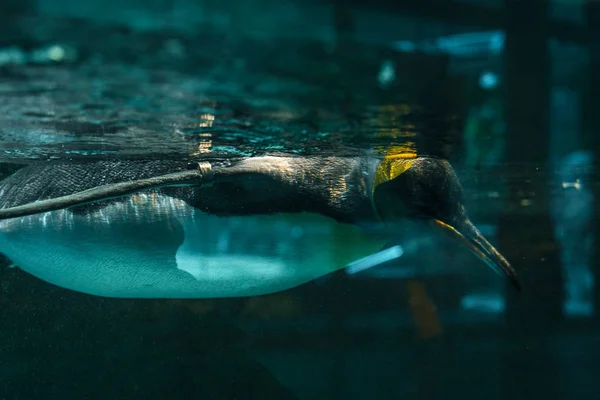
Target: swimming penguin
{"x":163,"y":229}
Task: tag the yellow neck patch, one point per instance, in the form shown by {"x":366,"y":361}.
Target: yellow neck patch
{"x":396,"y":161}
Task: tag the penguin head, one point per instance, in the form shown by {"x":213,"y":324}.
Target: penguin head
{"x":428,"y":190}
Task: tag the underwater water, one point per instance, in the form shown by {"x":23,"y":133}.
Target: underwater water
{"x":273,"y":319}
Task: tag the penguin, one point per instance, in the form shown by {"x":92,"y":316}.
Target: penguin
{"x":224,"y":228}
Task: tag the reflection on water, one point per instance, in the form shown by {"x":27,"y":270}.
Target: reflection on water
{"x":127,"y":109}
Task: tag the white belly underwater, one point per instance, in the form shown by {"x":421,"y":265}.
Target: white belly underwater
{"x":154,"y":246}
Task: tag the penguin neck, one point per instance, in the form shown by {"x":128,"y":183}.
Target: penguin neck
{"x":386,"y":165}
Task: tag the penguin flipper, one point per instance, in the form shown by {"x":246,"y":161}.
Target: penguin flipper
{"x":109,"y":191}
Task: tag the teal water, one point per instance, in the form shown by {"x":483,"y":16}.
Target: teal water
{"x":434,"y":324}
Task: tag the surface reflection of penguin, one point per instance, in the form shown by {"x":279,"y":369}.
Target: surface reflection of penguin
{"x":159,"y":229}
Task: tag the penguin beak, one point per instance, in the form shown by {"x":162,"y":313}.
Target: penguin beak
{"x":469,"y":236}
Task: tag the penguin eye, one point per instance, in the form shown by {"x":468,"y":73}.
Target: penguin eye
{"x":429,"y":202}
